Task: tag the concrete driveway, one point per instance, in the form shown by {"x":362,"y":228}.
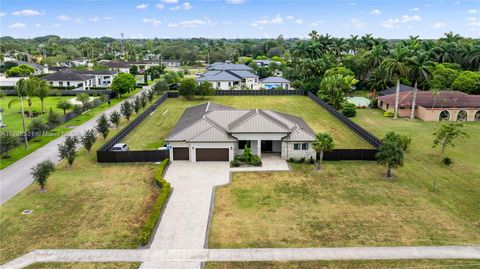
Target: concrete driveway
{"x":184,"y":222}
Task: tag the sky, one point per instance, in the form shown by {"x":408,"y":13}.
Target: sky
{"x":238,"y":18}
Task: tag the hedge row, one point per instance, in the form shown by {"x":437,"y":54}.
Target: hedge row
{"x":165,"y":191}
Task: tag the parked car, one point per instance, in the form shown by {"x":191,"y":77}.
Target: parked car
{"x":120,"y":147}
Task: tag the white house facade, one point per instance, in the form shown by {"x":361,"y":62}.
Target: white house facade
{"x":212,"y":132}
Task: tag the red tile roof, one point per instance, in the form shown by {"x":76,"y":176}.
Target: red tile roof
{"x":444,"y":99}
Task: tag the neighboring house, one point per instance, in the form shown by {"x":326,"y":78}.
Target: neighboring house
{"x":171,"y":63}
{"x":100,"y":78}
{"x":69,"y":78}
{"x":212,"y":132}
{"x":39,"y":69}
{"x":393,"y":89}
{"x":119,"y":66}
{"x":229,"y":66}
{"x":265,"y":63}
{"x":274,"y":83}
{"x":227,"y":76}
{"x":444,"y":106}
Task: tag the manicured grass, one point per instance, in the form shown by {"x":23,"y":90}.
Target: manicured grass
{"x":12,"y":116}
{"x":151,"y":132}
{"x":20,"y":151}
{"x":98,"y":265}
{"x":90,"y":205}
{"x":347,"y":264}
{"x":351,"y":204}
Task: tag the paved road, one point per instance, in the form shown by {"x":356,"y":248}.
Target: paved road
{"x":192,"y":258}
{"x":16,"y":177}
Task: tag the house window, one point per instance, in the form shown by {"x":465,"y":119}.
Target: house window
{"x":68,"y":83}
{"x":387,"y":106}
{"x":296,"y":146}
{"x":381,"y":103}
{"x":218,"y":84}
{"x":305,"y":146}
{"x":243,"y":143}
{"x":60,"y":83}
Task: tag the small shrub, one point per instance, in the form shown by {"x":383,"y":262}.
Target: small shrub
{"x":302,"y":160}
{"x":311,"y":161}
{"x":256,"y":161}
{"x":53,"y":118}
{"x":349,"y":110}
{"x":37,"y":126}
{"x":388,"y":114}
{"x":447,"y":161}
{"x":373,"y":103}
{"x":234,"y":163}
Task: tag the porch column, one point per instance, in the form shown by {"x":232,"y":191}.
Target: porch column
{"x":259,"y":148}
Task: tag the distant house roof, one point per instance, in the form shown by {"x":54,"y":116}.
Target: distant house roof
{"x":228,"y":66}
{"x":66,"y":75}
{"x":226,"y":75}
{"x":95,"y":72}
{"x":266,"y":62}
{"x":274,"y":80}
{"x":211,"y":122}
{"x":444,"y":99}
{"x":116,"y":64}
{"x":393,"y":89}
{"x":34,"y":65}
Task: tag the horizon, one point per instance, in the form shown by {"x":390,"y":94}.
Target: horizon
{"x":237,"y":19}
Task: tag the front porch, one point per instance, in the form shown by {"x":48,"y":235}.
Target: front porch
{"x":259,"y":147}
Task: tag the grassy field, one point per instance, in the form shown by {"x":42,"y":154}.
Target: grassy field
{"x":88,"y":206}
{"x":347,"y":264}
{"x":20,"y":151}
{"x":13,"y":118}
{"x":351,"y":204}
{"x":98,"y":265}
{"x":154,"y":129}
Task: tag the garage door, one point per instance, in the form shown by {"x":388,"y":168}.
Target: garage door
{"x":212,"y":154}
{"x":180,"y":154}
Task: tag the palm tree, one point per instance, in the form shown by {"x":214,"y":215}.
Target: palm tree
{"x":420,"y":67}
{"x":396,"y":68}
{"x":375,"y":57}
{"x":313,"y":35}
{"x":353,"y":42}
{"x":391,"y":155}
{"x":323,"y":143}
{"x":21,"y":88}
{"x":42,"y":90}
{"x":339,"y":46}
{"x":379,"y":80}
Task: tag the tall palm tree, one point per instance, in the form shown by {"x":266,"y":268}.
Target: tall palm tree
{"x":21,"y":88}
{"x":375,"y":57}
{"x":42,"y":90}
{"x":396,"y":67}
{"x":379,"y":80}
{"x":353,"y":42}
{"x":313,"y":35}
{"x":339,"y":47}
{"x":420,"y":67}
{"x":323,"y":143}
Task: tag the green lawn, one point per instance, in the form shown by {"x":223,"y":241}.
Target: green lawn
{"x":155,"y":128}
{"x":351,"y":204}
{"x":13,"y":118}
{"x":347,"y":264}
{"x":97,"y":265}
{"x":90,"y":205}
{"x":20,"y":151}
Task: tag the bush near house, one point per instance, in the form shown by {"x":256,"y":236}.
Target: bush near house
{"x":159,"y":203}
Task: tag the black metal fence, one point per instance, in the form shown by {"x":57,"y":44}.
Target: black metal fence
{"x":259,"y":92}
{"x":106,"y":156}
{"x":132,"y":156}
{"x":110,"y":94}
{"x":367,"y":136}
{"x":350,"y":155}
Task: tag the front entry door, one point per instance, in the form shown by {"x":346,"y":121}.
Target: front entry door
{"x":266,"y":145}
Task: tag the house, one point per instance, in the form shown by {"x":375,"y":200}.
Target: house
{"x":171,"y":63}
{"x":228,"y":76}
{"x":393,"y":89}
{"x":100,"y":78}
{"x":444,"y":106}
{"x":265,"y":63}
{"x":229,"y":66}
{"x":275,"y":83}
{"x":68,"y":78}
{"x":119,"y":66}
{"x":213,"y":132}
{"x":39,"y":69}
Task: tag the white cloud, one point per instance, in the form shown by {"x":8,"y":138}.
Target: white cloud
{"x":356,"y":23}
{"x":473,"y":22}
{"x":290,"y":17}
{"x":298,"y":21}
{"x":170,"y":1}
{"x":317,"y":23}
{"x":94,"y":19}
{"x":191,"y":23}
{"x":153,"y":22}
{"x":64,"y":17}
{"x":108,"y":18}
{"x":56,"y":25}
{"x":439,"y":25}
{"x":395,"y":23}
{"x":160,"y":6}
{"x":2,"y":14}
{"x":27,"y":12}
{"x":473,"y":11}
{"x":79,"y":20}
{"x":267,"y":21}
{"x":187,"y":6}
{"x":142,"y":6}
{"x":38,"y":25}
{"x":17,"y":25}
{"x":415,"y":9}
{"x":235,"y":2}
{"x":175,"y":8}
{"x":375,"y":12}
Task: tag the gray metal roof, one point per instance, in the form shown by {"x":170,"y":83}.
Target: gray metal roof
{"x":274,"y":80}
{"x":66,"y":75}
{"x":218,"y":76}
{"x":228,"y":66}
{"x":212,"y":122}
{"x":243,"y":73}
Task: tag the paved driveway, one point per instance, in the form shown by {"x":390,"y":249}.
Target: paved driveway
{"x":185,"y":221}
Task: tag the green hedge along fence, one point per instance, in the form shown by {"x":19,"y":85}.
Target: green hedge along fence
{"x":162,"y":198}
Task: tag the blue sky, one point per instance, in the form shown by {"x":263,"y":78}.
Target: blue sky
{"x":237,"y":18}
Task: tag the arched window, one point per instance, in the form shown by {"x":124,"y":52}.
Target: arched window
{"x":444,"y":116}
{"x":462,"y":115}
{"x":477,"y":116}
